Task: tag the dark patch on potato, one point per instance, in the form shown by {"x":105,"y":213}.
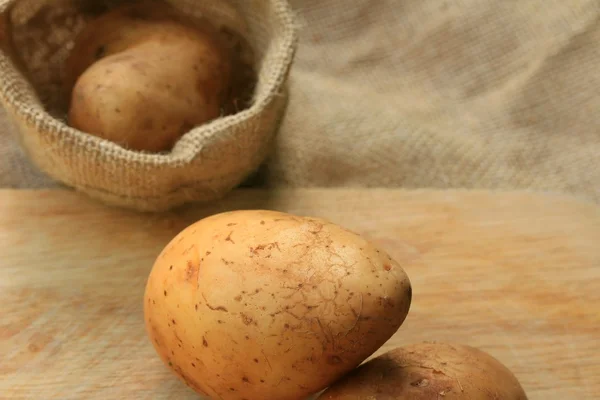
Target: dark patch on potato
{"x":191,"y":272}
{"x":246,"y":319}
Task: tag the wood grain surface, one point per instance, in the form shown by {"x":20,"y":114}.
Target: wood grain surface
{"x":516,"y":274}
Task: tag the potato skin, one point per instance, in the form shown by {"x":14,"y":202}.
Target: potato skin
{"x":429,"y":371}
{"x":267,"y":305}
{"x":148,"y":81}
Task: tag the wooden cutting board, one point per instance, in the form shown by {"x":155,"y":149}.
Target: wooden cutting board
{"x":516,"y":274}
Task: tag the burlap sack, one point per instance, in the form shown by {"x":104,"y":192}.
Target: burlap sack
{"x":205,"y":164}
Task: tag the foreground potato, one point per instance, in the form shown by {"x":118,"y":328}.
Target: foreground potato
{"x":142,"y":76}
{"x":429,"y":371}
{"x":261,"y":305}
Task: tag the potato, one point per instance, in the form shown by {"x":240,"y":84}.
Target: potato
{"x":146,"y":76}
{"x":429,"y":371}
{"x":262,"y":305}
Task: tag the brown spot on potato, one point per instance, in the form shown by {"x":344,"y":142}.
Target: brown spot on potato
{"x":267,"y":246}
{"x":238,"y":297}
{"x":387,"y":267}
{"x":165,"y":293}
{"x":245,"y":379}
{"x":246,"y":319}
{"x":229,"y":239}
{"x":204,"y":342}
{"x":191,"y":272}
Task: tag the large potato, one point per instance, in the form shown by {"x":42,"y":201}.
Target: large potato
{"x":144,"y":76}
{"x":429,"y":371}
{"x":263,"y":305}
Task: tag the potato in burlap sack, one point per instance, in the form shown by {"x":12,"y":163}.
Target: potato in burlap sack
{"x":36,"y":37}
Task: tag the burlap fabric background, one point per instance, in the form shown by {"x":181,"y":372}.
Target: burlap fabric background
{"x":434,"y":93}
